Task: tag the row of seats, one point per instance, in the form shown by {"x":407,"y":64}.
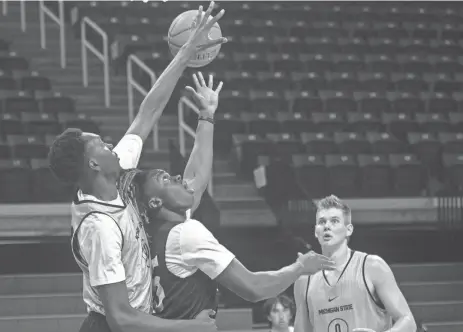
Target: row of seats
{"x":26,"y":180}
{"x":370,"y":175}
{"x":28,"y":81}
{"x":44,"y":123}
{"x":293,"y":124}
{"x":428,"y":146}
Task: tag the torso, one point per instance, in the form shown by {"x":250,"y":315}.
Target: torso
{"x":342,"y":301}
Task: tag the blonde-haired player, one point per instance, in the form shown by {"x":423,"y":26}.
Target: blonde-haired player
{"x":361,"y":294}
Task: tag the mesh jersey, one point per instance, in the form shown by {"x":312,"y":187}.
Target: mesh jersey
{"x":346,"y":305}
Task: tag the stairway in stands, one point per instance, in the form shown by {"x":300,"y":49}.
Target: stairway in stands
{"x":238,"y":200}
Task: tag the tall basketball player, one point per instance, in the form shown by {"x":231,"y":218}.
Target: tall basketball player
{"x":109,"y":241}
{"x":361,"y":294}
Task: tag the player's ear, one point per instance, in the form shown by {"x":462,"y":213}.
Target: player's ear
{"x":155,"y":203}
{"x":350,"y":229}
{"x":93,"y":164}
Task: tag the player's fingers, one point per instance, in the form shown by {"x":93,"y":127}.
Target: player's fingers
{"x":208,"y":12}
{"x":212,"y":43}
{"x":210,"y":84}
{"x":195,"y":80}
{"x":199,"y":16}
{"x":215,"y":19}
{"x":201,"y":79}
{"x":195,"y":95}
{"x":219,"y":87}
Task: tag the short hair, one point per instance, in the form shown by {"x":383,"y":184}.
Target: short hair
{"x":333,"y":201}
{"x":66,"y":156}
{"x":283,"y":299}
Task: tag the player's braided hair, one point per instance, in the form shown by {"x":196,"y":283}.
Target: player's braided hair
{"x":66,"y":156}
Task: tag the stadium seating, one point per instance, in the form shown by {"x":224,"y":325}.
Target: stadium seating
{"x":31,"y":115}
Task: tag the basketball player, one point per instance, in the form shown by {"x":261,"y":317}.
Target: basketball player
{"x":189,"y":260}
{"x":279,"y":312}
{"x":109,"y":242}
{"x":361,"y":294}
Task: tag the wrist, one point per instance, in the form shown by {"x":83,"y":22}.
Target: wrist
{"x":206,"y":113}
{"x":299,"y":267}
{"x":184,"y":54}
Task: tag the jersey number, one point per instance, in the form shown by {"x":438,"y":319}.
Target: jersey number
{"x":338,"y":325}
{"x":158,"y":291}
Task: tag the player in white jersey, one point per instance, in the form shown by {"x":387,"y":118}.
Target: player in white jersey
{"x":361,"y":294}
{"x":109,"y":242}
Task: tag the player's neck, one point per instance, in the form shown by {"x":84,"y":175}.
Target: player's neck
{"x":340,"y":253}
{"x":171,"y":216}
{"x":101,"y":188}
{"x":280,"y":329}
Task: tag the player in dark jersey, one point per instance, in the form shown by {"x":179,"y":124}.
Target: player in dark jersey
{"x":360,"y":295}
{"x":189,"y":261}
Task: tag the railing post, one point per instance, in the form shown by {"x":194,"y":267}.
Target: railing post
{"x":44,"y":11}
{"x":133,"y":84}
{"x":22,"y":5}
{"x":102,"y":56}
{"x":5,"y":7}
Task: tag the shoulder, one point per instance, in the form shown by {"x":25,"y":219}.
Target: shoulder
{"x":128,"y":150}
{"x":376,"y":268}
{"x":98,"y":224}
{"x":193,"y":234}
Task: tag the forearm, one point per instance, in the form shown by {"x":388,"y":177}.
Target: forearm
{"x":404,"y":324}
{"x":155,"y":101}
{"x":137,"y":321}
{"x":272,"y":283}
{"x":199,"y":166}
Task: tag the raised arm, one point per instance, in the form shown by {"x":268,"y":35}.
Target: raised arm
{"x":199,"y":167}
{"x":301,"y":321}
{"x":155,"y":101}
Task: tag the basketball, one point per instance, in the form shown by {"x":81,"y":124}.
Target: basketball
{"x":179,"y":32}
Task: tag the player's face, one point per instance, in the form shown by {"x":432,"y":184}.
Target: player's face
{"x":280,"y":316}
{"x":331,"y":228}
{"x":100,"y":155}
{"x":172,"y":190}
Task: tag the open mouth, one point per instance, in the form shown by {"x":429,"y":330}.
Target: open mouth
{"x":187,"y":187}
{"x":327,"y":237}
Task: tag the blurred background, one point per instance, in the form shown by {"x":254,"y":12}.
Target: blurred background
{"x":358,"y":99}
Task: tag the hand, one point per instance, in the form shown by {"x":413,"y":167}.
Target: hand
{"x":313,"y":262}
{"x":199,"y":38}
{"x":207,"y":98}
{"x":204,"y":322}
{"x":362,"y":329}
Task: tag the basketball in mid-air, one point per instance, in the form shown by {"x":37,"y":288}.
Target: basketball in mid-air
{"x":179,"y":32}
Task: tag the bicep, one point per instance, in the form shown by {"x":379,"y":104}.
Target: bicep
{"x":301,"y":321}
{"x":115,"y":300}
{"x":387,"y":289}
{"x":129,"y":150}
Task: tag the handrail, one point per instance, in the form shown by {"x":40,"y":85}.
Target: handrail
{"x":104,"y":57}
{"x":183,"y":128}
{"x":5,"y":7}
{"x":22,"y":5}
{"x":60,"y":20}
{"x":132,"y":84}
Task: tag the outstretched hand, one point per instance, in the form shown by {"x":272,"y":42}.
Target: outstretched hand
{"x":205,"y":95}
{"x":313,"y":262}
{"x":199,"y":39}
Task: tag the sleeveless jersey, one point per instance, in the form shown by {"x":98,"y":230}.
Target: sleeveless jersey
{"x":175,"y":297}
{"x":135,"y":253}
{"x":346,"y":305}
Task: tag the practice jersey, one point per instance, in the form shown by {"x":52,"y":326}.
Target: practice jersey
{"x":108,"y":239}
{"x":187,"y":261}
{"x":346,"y":305}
